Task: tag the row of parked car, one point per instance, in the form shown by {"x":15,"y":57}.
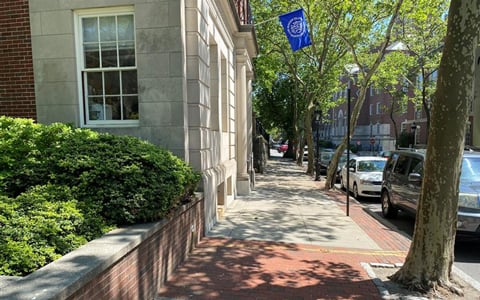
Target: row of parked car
{"x":397,"y":180}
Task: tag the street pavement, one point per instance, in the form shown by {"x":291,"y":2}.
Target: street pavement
{"x":289,"y":239}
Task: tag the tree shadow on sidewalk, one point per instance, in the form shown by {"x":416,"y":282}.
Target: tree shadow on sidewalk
{"x":234,"y":269}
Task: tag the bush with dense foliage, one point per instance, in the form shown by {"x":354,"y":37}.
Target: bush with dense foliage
{"x":61,"y":186}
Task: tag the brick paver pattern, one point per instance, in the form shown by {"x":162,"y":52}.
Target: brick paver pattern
{"x":223,"y":268}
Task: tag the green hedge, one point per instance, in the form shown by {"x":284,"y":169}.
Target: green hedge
{"x":61,"y":186}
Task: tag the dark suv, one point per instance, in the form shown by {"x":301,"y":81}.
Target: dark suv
{"x":402,"y":184}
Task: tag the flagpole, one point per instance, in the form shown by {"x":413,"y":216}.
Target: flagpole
{"x":266,"y":21}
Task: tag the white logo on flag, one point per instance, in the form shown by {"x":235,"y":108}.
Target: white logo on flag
{"x":296,"y":27}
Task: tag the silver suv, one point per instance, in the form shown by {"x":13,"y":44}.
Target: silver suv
{"x":402,"y":184}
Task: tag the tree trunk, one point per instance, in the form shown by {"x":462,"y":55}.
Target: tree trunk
{"x":429,"y":261}
{"x":309,"y":139}
{"x":392,"y":110}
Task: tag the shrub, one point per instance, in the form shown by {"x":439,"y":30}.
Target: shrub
{"x":62,"y":186}
{"x":39,"y":226}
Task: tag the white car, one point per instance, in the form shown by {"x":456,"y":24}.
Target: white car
{"x":365,"y":178}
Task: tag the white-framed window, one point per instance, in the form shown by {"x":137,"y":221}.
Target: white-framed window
{"x":107,"y":65}
{"x":371,"y":109}
{"x":379,"y":108}
{"x":405,"y":85}
{"x":418,"y":112}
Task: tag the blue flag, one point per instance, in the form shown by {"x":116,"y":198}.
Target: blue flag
{"x":295,"y":26}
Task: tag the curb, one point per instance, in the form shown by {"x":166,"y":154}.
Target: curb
{"x":464,"y":276}
{"x":467,"y":278}
{"x":378,"y":283}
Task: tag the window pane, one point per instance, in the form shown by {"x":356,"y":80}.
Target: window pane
{"x":416,"y":164}
{"x":109,"y":55}
{"x":108,"y":31}
{"x":112,"y":108}
{"x":91,"y":55}
{"x":95,"y":108}
{"x":127,"y":54}
{"x":129,"y":82}
{"x":112,"y":83}
{"x":402,"y":165}
{"x":94,"y":81}
{"x":90,"y":30}
{"x":130,"y":107}
{"x":125,"y":28}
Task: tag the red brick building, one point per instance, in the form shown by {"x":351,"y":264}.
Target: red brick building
{"x":17,"y":89}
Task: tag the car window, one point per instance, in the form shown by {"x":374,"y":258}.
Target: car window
{"x":416,"y":166}
{"x":391,"y":162}
{"x":352,"y":163}
{"x":470,"y":169}
{"x":402,"y":165}
{"x":371,"y":165}
{"x":326,"y":156}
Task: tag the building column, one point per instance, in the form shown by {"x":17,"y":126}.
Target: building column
{"x":241,"y":121}
{"x":250,"y":126}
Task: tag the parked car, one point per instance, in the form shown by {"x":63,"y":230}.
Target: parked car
{"x":365,"y":178}
{"x":282,"y":148}
{"x":341,"y":164}
{"x":275,"y":145}
{"x":402,"y":184}
{"x":385,"y":154}
{"x":305,"y":153}
{"x":325,"y":157}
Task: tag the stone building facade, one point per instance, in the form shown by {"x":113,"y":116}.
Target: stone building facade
{"x":177,"y":73}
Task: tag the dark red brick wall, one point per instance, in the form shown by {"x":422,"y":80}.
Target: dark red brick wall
{"x":140,"y":273}
{"x":17,"y":91}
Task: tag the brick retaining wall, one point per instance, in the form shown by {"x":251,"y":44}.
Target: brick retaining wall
{"x":128,"y":263}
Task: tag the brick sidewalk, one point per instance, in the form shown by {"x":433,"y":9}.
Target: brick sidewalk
{"x":386,"y":238}
{"x":222,"y":268}
{"x":238,"y":269}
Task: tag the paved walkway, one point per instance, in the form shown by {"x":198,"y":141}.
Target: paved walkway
{"x":288,"y":240}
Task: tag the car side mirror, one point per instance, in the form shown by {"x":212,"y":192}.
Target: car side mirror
{"x":414,"y":177}
{"x":352,"y":169}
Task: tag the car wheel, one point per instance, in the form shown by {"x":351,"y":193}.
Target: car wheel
{"x":355,"y":191}
{"x":388,"y":210}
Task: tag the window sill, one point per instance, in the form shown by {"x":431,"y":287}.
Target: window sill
{"x":112,"y":125}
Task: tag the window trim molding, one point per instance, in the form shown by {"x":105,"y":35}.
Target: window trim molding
{"x":78,"y":38}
